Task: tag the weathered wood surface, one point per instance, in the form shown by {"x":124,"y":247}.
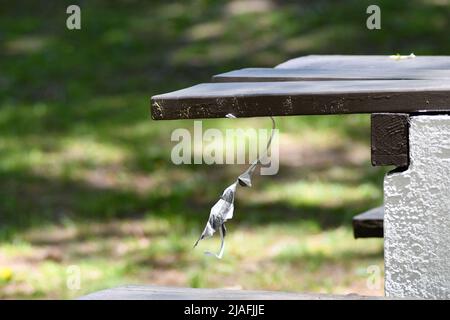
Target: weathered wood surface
{"x":368,"y":62}
{"x":337,"y":73}
{"x":369,"y":224}
{"x":390,"y":139}
{"x":253,"y":99}
{"x":173,"y":293}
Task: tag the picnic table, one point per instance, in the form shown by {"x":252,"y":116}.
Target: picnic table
{"x":316,"y":85}
{"x":409,"y":102}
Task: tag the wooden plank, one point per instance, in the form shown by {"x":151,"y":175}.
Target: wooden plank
{"x":255,"y":99}
{"x":270,"y":74}
{"x":355,"y":62}
{"x":369,"y":224}
{"x":173,"y":293}
{"x":390,"y":139}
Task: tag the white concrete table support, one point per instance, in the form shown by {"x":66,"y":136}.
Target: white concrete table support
{"x":417,"y":214}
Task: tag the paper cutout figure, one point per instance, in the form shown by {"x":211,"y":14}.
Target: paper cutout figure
{"x":224,"y":208}
{"x":219,"y":214}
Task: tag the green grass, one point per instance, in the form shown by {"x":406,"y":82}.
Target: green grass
{"x":86,"y":177}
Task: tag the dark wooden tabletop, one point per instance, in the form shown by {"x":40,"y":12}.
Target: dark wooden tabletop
{"x":312,"y":74}
{"x":316,"y":85}
{"x":349,"y":62}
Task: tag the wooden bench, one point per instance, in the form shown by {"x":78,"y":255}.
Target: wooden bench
{"x":173,"y":293}
{"x":409,"y":103}
{"x":369,"y":224}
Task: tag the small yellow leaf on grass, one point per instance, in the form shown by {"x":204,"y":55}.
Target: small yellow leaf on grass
{"x":6,"y":274}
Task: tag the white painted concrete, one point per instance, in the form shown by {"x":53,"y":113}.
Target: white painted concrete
{"x":417,"y":215}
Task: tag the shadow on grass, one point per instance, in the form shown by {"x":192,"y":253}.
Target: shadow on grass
{"x":92,"y":87}
{"x":42,"y":201}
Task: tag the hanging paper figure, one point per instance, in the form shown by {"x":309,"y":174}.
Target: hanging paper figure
{"x":220,"y":213}
{"x":224,"y":208}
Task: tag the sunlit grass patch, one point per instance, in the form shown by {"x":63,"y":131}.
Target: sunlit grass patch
{"x":305,"y":262}
{"x":317,"y":193}
{"x":26,"y":45}
{"x":294,"y":257}
{"x":336,"y":245}
{"x":52,"y":280}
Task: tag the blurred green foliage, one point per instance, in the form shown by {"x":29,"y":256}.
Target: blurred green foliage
{"x":86,"y":177}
